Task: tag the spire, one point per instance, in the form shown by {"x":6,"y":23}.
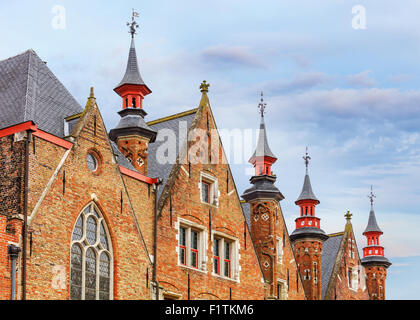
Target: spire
{"x":263,"y":149}
{"x":373,"y":252}
{"x":307,"y":193}
{"x":132,"y":74}
{"x":372,"y":225}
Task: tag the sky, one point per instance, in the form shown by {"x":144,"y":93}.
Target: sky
{"x":346,"y":88}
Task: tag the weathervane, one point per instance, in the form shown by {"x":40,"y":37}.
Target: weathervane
{"x":133,"y":24}
{"x":307,"y":158}
{"x":262,"y":105}
{"x":371,"y":196}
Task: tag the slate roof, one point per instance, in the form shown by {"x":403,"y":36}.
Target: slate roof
{"x":328,"y":257}
{"x":158,"y":167}
{"x":307,"y":193}
{"x":372,"y":224}
{"x":247,"y":211}
{"x":132,"y":73}
{"x":30,"y":91}
{"x":263,"y":149}
{"x":121,"y":160}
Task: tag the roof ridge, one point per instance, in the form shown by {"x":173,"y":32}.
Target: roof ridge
{"x":19,"y":54}
{"x":171,"y":117}
{"x":28,"y":108}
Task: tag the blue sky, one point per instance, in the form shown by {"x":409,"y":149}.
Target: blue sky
{"x":351,"y":96}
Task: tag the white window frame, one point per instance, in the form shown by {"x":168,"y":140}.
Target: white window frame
{"x":214,"y":192}
{"x":235,"y":267}
{"x":201,"y":245}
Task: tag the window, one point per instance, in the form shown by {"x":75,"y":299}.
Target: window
{"x":216,"y":256}
{"x":91,"y":162}
{"x":91,"y":257}
{"x":209,"y":189}
{"x":227,"y":262}
{"x":205,"y":192}
{"x":189,"y":246}
{"x":225,"y":257}
{"x":307,"y":274}
{"x":315,"y":273}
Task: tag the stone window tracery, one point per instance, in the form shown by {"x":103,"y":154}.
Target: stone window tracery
{"x":91,"y":257}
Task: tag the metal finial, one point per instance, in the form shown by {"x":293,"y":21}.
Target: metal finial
{"x":133,"y":24}
{"x":92,"y":92}
{"x":371,"y":196}
{"x":262,"y":105}
{"x":204,"y":87}
{"x":307,"y":158}
{"x":348,"y":216}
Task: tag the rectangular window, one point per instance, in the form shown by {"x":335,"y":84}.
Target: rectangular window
{"x":216,"y":258}
{"x":189,"y":246}
{"x":182,"y":246}
{"x":194,"y":249}
{"x":205,"y":192}
{"x":227,"y":259}
{"x":224,"y":257}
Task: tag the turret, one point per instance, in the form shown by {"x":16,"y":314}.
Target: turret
{"x":374,"y":260}
{"x":132,"y":134}
{"x":308,"y":238}
{"x":264,"y":199}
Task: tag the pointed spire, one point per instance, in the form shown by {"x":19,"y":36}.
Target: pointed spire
{"x":307,"y":193}
{"x":132,"y":73}
{"x":372,"y":223}
{"x":263,"y":149}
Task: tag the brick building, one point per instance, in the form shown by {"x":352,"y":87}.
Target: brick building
{"x":150,"y":209}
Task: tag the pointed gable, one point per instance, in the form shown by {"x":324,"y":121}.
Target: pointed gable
{"x":30,"y":91}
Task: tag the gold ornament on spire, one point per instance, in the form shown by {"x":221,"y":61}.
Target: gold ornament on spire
{"x":348,"y":216}
{"x":204,"y":87}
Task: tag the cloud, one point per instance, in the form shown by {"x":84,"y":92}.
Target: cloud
{"x":400,"y":78}
{"x":230,"y":56}
{"x":361,"y":79}
{"x":299,"y":83}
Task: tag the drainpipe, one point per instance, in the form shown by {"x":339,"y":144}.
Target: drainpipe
{"x":25,"y":213}
{"x":158,"y":182}
{"x":14,"y":254}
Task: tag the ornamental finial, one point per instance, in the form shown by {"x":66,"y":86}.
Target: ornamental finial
{"x":262,"y":105}
{"x":348,"y":216}
{"x":371,"y":196}
{"x":204,"y":87}
{"x":133,"y":24}
{"x":307,"y":158}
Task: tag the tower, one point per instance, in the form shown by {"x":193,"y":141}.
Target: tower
{"x":264,"y":199}
{"x":308,"y":239}
{"x":373,"y":260}
{"x":132,"y":135}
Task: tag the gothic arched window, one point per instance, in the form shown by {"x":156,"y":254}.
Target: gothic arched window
{"x":91,"y":257}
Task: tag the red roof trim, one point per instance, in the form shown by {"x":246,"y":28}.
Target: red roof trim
{"x":53,"y":139}
{"x":29,"y":125}
{"x":137,"y":176}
